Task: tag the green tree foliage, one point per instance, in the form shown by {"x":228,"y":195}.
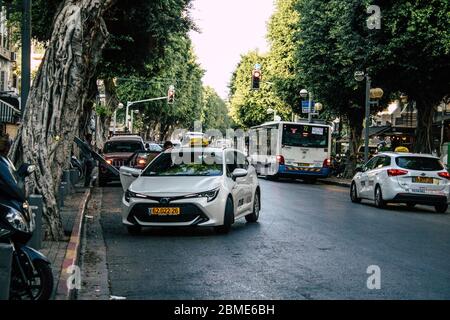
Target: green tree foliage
{"x":248,"y":106}
{"x":283,"y":29}
{"x":214,"y":111}
{"x":179,"y":67}
{"x":411,"y":54}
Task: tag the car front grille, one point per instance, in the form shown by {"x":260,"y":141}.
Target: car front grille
{"x":189,"y":212}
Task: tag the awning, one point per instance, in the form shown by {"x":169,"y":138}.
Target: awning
{"x":375,"y":131}
{"x":9,"y":113}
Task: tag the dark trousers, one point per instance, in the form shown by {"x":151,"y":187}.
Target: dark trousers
{"x":89,"y":167}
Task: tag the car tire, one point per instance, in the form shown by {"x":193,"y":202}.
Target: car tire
{"x":441,"y":208}
{"x":410,"y":205}
{"x":102,"y":182}
{"x":272,"y":178}
{"x":379,"y":201}
{"x":354,"y":194}
{"x":254,"y":216}
{"x":227,"y":219}
{"x":134,"y":230}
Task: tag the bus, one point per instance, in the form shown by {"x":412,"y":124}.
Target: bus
{"x":291,"y":149}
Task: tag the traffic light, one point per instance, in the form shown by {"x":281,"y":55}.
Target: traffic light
{"x":171,"y":95}
{"x":256,"y":79}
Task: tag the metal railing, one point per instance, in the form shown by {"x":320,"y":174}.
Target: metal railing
{"x":8,"y":113}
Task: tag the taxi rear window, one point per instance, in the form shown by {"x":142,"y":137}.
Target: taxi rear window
{"x":419,"y":163}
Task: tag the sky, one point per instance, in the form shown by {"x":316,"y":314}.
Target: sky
{"x":228,"y":29}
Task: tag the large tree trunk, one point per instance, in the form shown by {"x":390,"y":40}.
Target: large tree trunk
{"x":424,"y":130}
{"x":51,"y":118}
{"x":355,"y":126}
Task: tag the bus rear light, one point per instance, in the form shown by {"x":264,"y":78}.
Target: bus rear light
{"x":280,"y":159}
{"x":396,"y":172}
{"x":326,"y":163}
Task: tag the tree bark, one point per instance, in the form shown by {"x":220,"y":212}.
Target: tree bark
{"x":424,"y":130}
{"x":51,"y":118}
{"x":355,"y":125}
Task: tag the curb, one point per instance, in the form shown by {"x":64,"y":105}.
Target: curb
{"x":63,"y":292}
{"x":336,"y":183}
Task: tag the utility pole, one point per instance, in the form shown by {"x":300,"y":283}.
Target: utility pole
{"x":26,"y":54}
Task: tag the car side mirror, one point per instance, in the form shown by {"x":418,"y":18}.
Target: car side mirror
{"x":359,"y":169}
{"x":25,"y":170}
{"x":239,"y":173}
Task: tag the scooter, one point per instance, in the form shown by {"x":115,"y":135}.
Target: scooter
{"x":31,"y":273}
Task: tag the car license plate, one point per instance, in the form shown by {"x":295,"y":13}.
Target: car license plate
{"x":423,"y":180}
{"x":303,"y":164}
{"x":165,"y":211}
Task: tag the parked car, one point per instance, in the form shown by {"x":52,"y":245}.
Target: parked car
{"x":206,"y":187}
{"x":402,"y":178}
{"x":140,"y":159}
{"x":117,"y":152}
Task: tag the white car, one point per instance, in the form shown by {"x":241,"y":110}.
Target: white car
{"x":402,"y":178}
{"x":206,"y":187}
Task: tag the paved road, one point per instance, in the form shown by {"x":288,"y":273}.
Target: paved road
{"x":311,"y":243}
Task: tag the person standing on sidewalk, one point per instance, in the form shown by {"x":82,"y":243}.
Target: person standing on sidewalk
{"x":89,"y":162}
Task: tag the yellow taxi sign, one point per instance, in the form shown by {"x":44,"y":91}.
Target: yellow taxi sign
{"x":401,"y":149}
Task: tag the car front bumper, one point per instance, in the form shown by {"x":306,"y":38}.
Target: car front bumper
{"x":194,"y":212}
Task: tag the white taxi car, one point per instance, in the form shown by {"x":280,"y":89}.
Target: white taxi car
{"x":402,"y":178}
{"x":208,"y":187}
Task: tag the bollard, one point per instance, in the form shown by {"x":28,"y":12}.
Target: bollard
{"x":74,"y":176}
{"x":66,"y":179}
{"x":6,"y":251}
{"x":37,"y":206}
{"x":61,"y":195}
{"x":66,"y":188}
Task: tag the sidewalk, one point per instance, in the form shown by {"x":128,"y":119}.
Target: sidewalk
{"x":56,"y":251}
{"x":337,"y":181}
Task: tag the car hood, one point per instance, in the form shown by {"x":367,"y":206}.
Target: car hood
{"x":169,"y":186}
{"x":118,"y":155}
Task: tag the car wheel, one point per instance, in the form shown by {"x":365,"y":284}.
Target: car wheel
{"x":102,"y":182}
{"x":379,"y":201}
{"x":354,"y":193}
{"x":134,"y":230}
{"x":254,"y":216}
{"x":228,"y":218}
{"x":410,"y":205}
{"x":272,"y":178}
{"x":441,"y":208}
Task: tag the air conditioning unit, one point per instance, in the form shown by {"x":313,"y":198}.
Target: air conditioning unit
{"x":13,"y":56}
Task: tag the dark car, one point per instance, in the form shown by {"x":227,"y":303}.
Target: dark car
{"x":118,"y":152}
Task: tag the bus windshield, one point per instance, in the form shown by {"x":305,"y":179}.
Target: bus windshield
{"x":299,"y":135}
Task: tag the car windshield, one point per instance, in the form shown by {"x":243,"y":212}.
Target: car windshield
{"x":419,"y":163}
{"x":297,"y":135}
{"x":154,"y":147}
{"x":186,"y":164}
{"x":122,"y":146}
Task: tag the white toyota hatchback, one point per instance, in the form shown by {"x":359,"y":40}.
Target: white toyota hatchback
{"x":402,"y":178}
{"x":208,"y":187}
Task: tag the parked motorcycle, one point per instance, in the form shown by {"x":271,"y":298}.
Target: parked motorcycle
{"x":31,"y":273}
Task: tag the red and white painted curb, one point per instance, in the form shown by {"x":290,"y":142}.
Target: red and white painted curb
{"x":63,"y":291}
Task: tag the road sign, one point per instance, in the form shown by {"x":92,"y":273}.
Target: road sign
{"x":305,"y":106}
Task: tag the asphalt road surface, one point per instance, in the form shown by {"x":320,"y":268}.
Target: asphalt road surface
{"x":311,"y":243}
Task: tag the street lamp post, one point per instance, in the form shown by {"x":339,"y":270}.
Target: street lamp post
{"x":305,"y":93}
{"x":26,"y":54}
{"x":120,"y":106}
{"x":360,"y":76}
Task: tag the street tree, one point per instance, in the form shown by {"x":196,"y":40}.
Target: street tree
{"x":249,"y":107}
{"x":214,"y":111}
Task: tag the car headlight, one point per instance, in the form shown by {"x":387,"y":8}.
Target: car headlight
{"x":129,"y":194}
{"x":209,"y":195}
{"x":17,"y":220}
